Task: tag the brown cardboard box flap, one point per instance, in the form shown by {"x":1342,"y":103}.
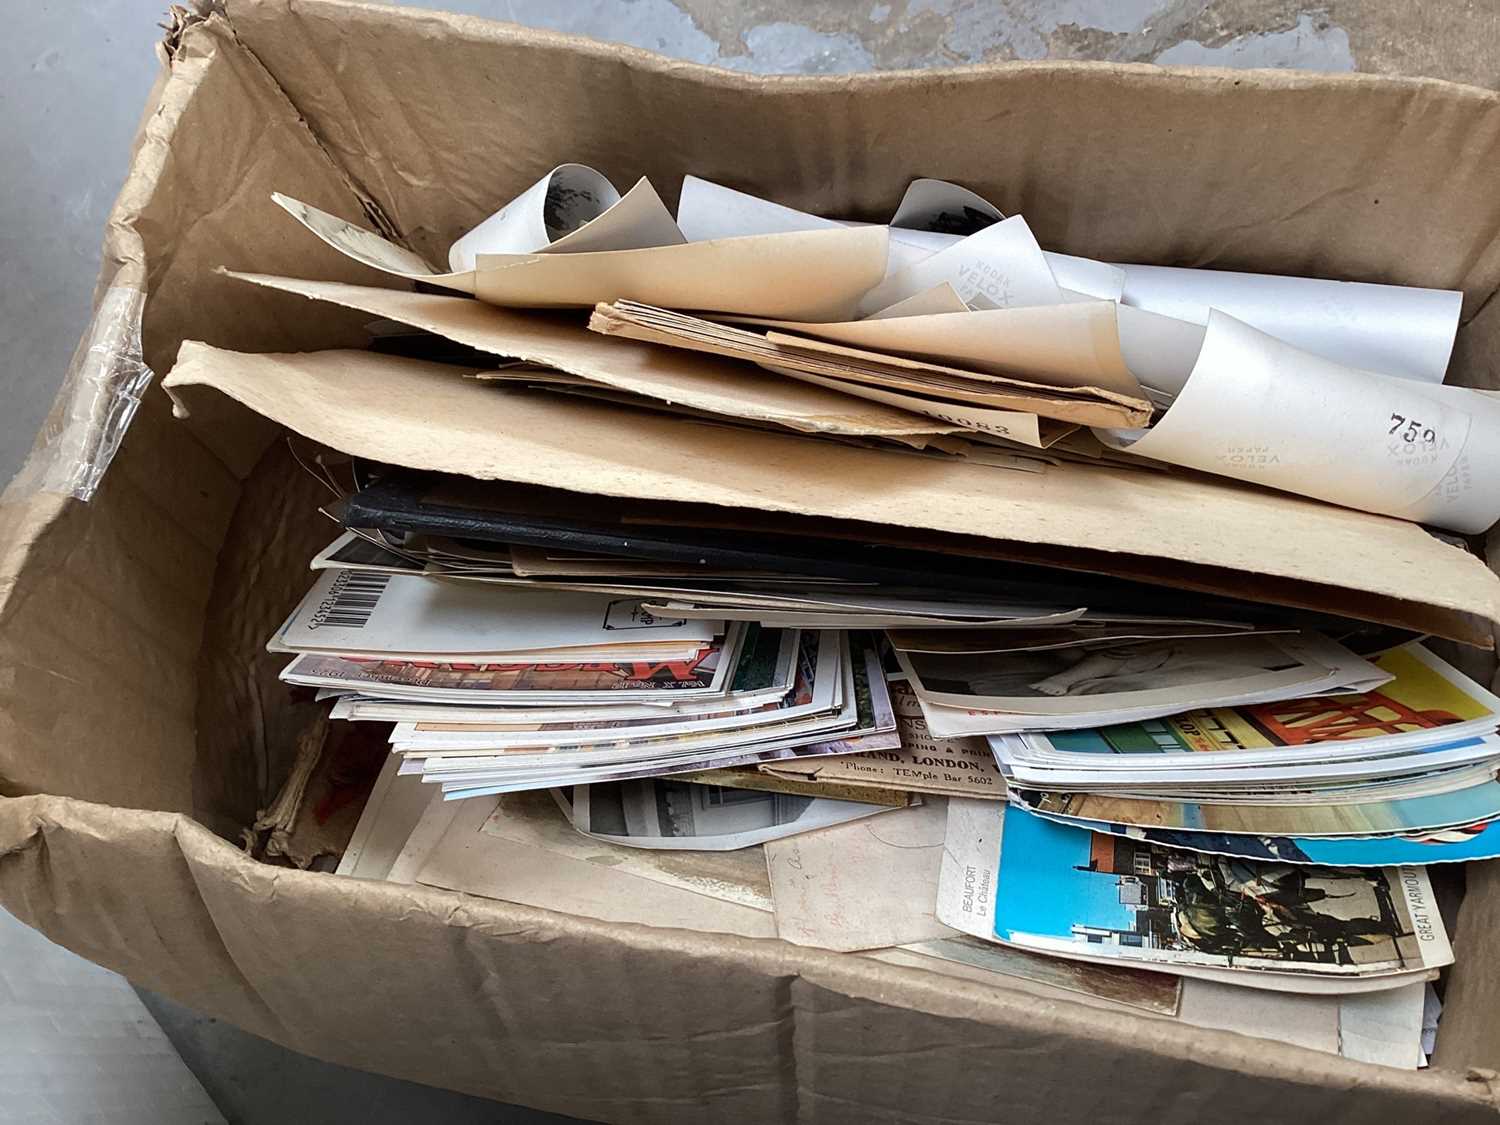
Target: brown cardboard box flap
{"x":709,"y":383}
{"x":426,"y":416}
{"x":630,"y":1023}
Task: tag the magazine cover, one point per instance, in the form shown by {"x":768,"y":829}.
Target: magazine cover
{"x":441,"y":681}
{"x":1082,"y":893}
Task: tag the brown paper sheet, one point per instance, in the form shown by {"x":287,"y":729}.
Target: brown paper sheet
{"x":1067,"y":345}
{"x":801,"y":275}
{"x":407,"y":412}
{"x":702,"y":382}
{"x":789,"y":354}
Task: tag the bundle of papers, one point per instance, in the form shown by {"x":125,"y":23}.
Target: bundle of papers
{"x":836,"y":702}
{"x":954,"y":314}
{"x":496,"y":687}
{"x":1091,"y":682}
{"x":1033,"y":760}
{"x":1403,"y":773}
{"x":807,"y":770}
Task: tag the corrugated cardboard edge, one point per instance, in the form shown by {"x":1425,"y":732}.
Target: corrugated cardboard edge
{"x":239,"y":940}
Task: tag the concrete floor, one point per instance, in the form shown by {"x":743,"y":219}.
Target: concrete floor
{"x":73,"y":76}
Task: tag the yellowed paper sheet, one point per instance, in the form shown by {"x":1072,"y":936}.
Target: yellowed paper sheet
{"x":1069,"y":345}
{"x":602,"y":219}
{"x":700,"y":381}
{"x":526,"y":860}
{"x":721,"y":333}
{"x":835,"y":361}
{"x":1019,"y":426}
{"x":804,"y":276}
{"x":370,"y":249}
{"x":435,"y":820}
{"x":863,"y":885}
{"x":536,"y":819}
{"x":941,"y":298}
{"x":709,"y":210}
{"x":999,"y":267}
{"x":593,"y":216}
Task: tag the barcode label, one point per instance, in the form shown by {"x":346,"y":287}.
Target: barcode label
{"x":351,"y":601}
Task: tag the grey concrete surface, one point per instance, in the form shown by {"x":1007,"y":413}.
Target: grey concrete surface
{"x":74,"y":75}
{"x":73,"y":79}
{"x":253,"y":1081}
{"x":78,"y":1046}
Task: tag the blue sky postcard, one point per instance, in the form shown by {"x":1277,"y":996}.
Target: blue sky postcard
{"x":1077,"y":893}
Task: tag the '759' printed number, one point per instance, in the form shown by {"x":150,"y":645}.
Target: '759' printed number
{"x":1411,"y":430}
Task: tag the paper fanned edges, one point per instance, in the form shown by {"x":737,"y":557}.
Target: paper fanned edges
{"x":699,"y":381}
{"x":1189,"y":532}
{"x":855,"y":369}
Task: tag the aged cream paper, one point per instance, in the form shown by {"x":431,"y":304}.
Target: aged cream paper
{"x":864,"y":885}
{"x":786,"y":352}
{"x":1000,"y":267}
{"x":1075,"y":345}
{"x":516,"y":852}
{"x":695,"y":379}
{"x":1020,"y":426}
{"x":803,"y":275}
{"x":708,"y":210}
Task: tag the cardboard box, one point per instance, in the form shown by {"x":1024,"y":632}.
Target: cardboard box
{"x":141,"y":725}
